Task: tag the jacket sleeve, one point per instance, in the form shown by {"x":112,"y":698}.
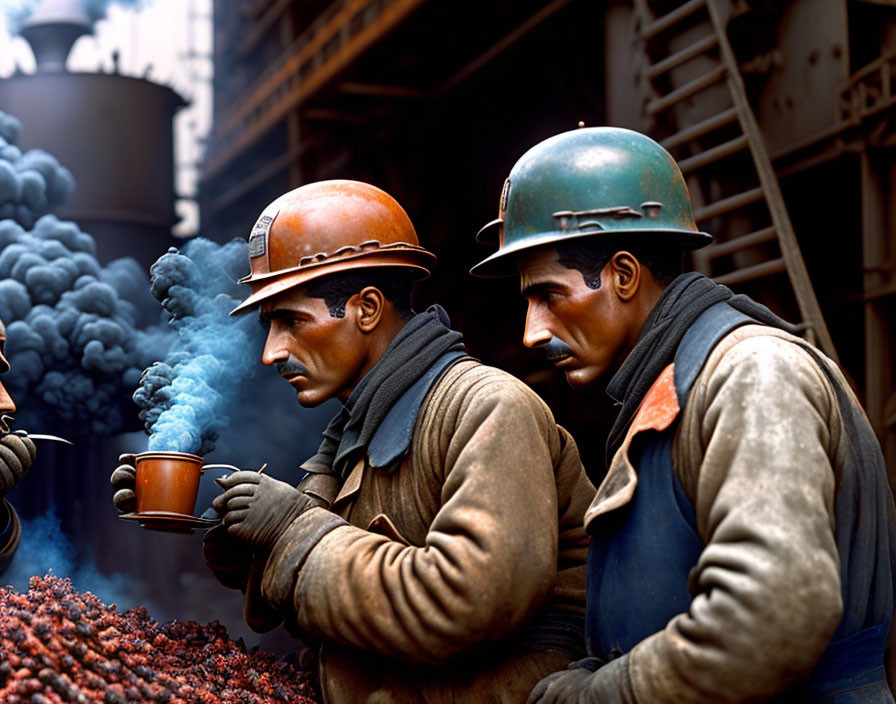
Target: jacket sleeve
{"x":490,"y":556}
{"x":754,"y":454}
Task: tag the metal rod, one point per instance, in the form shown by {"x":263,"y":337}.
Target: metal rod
{"x":686,"y":91}
{"x":720,"y":207}
{"x":714,"y":154}
{"x":502,"y":45}
{"x":674,"y":17}
{"x":48,"y":437}
{"x":670,"y":62}
{"x":750,"y":273}
{"x":766,"y":234}
{"x":700,"y":129}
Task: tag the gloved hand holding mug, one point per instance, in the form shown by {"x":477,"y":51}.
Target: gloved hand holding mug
{"x":124,"y":480}
{"x":258,"y":508}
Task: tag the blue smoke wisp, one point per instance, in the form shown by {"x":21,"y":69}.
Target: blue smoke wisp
{"x":184,"y":399}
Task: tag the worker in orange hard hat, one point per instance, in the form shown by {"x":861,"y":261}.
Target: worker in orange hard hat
{"x":435,"y":546}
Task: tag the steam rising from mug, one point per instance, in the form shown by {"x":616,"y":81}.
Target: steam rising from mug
{"x":184,"y":398}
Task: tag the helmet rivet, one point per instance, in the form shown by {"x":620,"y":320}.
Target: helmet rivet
{"x":651,"y":208}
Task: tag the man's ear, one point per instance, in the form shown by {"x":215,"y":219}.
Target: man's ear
{"x":370,"y":306}
{"x":625,"y":274}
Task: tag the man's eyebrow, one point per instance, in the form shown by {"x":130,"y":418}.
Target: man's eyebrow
{"x":535,"y":289}
{"x":277,"y":313}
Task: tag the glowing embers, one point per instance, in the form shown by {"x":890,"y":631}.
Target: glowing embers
{"x":63,"y":645}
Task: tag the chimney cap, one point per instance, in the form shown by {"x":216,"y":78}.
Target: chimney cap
{"x":59,"y":12}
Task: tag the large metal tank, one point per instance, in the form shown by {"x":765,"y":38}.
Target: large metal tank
{"x":113,"y":132}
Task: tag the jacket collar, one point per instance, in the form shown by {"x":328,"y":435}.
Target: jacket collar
{"x":392,"y":438}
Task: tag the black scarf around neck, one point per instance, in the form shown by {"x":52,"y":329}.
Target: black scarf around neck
{"x":678,"y":307}
{"x":418,"y":345}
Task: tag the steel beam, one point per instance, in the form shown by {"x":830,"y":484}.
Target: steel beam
{"x":501,"y":46}
{"x":330,"y":49}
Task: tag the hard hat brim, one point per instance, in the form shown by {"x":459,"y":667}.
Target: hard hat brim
{"x":418,"y":262}
{"x":503,"y":262}
{"x":489,"y":232}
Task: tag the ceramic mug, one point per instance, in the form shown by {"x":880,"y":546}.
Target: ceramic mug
{"x":167,"y":481}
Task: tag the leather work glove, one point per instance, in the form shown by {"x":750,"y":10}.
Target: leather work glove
{"x":257,"y":508}
{"x":228,"y":557}
{"x":17,"y":452}
{"x":124,"y":479}
{"x":561,"y":687}
{"x":587,"y":680}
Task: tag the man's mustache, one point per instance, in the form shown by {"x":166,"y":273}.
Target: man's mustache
{"x":556,"y":349}
{"x":291,"y":367}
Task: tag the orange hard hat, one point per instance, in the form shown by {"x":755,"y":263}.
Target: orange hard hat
{"x":326,"y":227}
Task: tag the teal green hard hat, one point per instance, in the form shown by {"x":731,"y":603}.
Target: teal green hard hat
{"x":587,"y":183}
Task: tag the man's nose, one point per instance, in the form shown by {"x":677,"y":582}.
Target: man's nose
{"x":537,"y":333}
{"x":6,"y":402}
{"x":274,"y":349}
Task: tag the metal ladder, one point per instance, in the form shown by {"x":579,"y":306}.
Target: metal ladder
{"x":687,"y":59}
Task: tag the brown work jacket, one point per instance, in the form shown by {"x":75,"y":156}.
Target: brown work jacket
{"x":423,"y":597}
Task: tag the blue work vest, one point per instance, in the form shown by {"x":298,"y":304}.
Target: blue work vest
{"x":642,"y":552}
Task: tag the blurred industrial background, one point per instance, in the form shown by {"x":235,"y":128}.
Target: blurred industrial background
{"x":779,"y":112}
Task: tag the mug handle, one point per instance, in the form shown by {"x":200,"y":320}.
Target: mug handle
{"x":220,"y":466}
{"x":230,"y":467}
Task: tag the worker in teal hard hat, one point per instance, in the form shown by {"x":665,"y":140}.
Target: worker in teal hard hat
{"x":587,"y":182}
{"x":742,"y":525}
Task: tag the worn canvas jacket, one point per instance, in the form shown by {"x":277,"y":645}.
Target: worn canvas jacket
{"x":759,"y":455}
{"x":425,"y":594}
{"x":10,"y":531}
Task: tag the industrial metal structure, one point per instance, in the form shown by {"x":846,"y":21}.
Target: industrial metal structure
{"x":113,"y":132}
{"x":778,"y":112}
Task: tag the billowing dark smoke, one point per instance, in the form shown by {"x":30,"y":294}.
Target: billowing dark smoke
{"x":18,"y":11}
{"x":31,"y":184}
{"x":79,"y":334}
{"x":185,"y":398}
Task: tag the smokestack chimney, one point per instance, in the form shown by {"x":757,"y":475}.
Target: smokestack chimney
{"x":52,"y":29}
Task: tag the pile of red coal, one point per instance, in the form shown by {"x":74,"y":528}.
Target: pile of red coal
{"x":60,"y":645}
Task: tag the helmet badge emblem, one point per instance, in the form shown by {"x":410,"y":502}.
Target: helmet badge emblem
{"x":259,"y":237}
{"x":505,"y":194}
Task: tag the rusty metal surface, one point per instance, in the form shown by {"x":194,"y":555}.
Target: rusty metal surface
{"x":114,"y":133}
{"x":793,"y":258}
{"x":798,"y":98}
{"x":879,"y":271}
{"x":869,"y":91}
{"x":692,"y":83}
